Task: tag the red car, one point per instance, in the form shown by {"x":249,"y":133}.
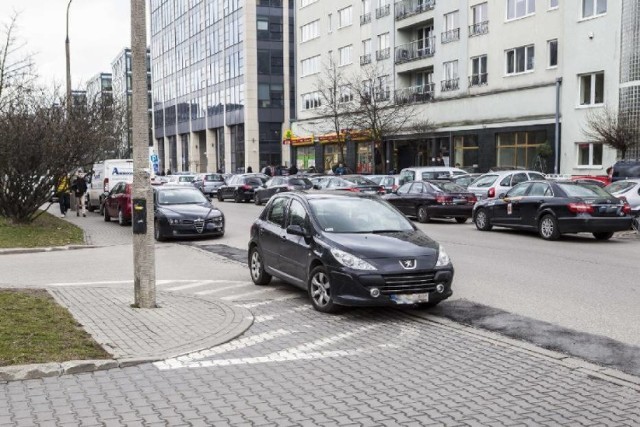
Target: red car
{"x":117,"y":204}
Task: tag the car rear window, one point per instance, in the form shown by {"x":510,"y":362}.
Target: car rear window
{"x":253,"y":180}
{"x":484,"y":181}
{"x":448,"y":187}
{"x":575,"y":190}
{"x":619,"y":186}
{"x":213,"y":178}
{"x":359,"y":180}
{"x":299,"y":181}
{"x":186,"y":179}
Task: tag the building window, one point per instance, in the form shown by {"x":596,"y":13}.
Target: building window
{"x":480,"y":23}
{"x":345,"y":17}
{"x":329,"y":23}
{"x":592,"y":89}
{"x":552,"y":48}
{"x":520,"y":8}
{"x":263,"y":24}
{"x":311,"y":101}
{"x":450,"y":72}
{"x":589,"y":154}
{"x":520,"y":59}
{"x":310,"y":31}
{"x":304,"y":3}
{"x":384,"y":50}
{"x":593,"y":8}
{"x":518,"y":149}
{"x":451,"y":28}
{"x":554,"y":4}
{"x":344,"y":54}
{"x":365,"y":17}
{"x":466,"y":150}
{"x":365,"y":58}
{"x":478,"y":71}
{"x":346,"y":95}
{"x":310,"y":66}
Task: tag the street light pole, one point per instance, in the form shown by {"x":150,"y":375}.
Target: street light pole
{"x":66,"y":43}
{"x":144,"y":265}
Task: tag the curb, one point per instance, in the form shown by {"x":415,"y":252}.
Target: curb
{"x":13,"y":251}
{"x":590,"y":369}
{"x":55,"y":369}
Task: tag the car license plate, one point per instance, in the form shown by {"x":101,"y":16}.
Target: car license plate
{"x":460,"y":201}
{"x":410,"y":298}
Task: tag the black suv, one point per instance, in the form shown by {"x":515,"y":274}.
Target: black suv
{"x":625,"y":169}
{"x":241,"y":188}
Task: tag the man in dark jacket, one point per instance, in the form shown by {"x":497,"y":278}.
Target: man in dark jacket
{"x":79,"y":188}
{"x":293,"y":170}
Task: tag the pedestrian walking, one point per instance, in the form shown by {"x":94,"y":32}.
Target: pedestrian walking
{"x":62,"y":190}
{"x":340,"y":170}
{"x":249,"y":169}
{"x":268,"y":171}
{"x":293,"y":170}
{"x":79,"y":188}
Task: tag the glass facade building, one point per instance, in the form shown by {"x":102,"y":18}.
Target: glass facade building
{"x":220,"y":83}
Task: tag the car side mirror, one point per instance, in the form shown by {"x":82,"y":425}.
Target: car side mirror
{"x":297,"y":230}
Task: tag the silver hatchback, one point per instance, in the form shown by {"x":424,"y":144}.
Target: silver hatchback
{"x":493,"y":184}
{"x":629,"y":189}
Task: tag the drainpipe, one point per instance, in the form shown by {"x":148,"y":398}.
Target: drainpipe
{"x":556,"y":166}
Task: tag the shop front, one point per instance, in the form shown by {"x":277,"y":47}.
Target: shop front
{"x":364,"y":157}
{"x":304,"y":153}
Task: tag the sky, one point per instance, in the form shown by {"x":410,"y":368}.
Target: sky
{"x":98,"y":31}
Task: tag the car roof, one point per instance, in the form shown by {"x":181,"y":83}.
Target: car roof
{"x":511,"y":171}
{"x":325,"y":194}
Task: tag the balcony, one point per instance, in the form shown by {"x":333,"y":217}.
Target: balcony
{"x":417,"y":49}
{"x":478,"y":80}
{"x":383,"y":11}
{"x":415,"y":94}
{"x":365,"y":59}
{"x":450,"y":85}
{"x":450,"y":36}
{"x":383,"y":54}
{"x":479,"y":29}
{"x":407,"y":8}
{"x":365,"y":19}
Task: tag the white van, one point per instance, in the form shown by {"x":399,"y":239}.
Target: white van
{"x":423,"y":173}
{"x":104,"y":176}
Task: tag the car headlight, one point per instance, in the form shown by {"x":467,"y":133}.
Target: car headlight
{"x":351,"y":261}
{"x":174,"y":221}
{"x":443,"y":258}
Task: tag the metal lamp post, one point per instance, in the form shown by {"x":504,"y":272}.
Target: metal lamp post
{"x":66,"y":43}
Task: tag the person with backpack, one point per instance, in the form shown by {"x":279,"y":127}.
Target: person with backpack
{"x":62,"y":190}
{"x":79,"y":188}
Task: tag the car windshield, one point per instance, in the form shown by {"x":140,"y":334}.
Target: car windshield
{"x":299,"y":181}
{"x":574,"y":190}
{"x":376,"y":179}
{"x":357,"y":215}
{"x":619,"y":186}
{"x":484,"y":181}
{"x":213,"y":178}
{"x":359,"y":180}
{"x":180,"y":197}
{"x":448,"y":187}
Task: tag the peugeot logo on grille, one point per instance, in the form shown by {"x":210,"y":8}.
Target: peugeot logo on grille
{"x":408,"y":264}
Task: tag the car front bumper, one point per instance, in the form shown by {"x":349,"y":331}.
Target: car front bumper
{"x":186,"y":230}
{"x":353,"y":288}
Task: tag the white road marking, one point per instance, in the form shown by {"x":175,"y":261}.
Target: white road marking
{"x":258,"y":304}
{"x":247,"y":294}
{"x":267,"y":317}
{"x":224,"y":288}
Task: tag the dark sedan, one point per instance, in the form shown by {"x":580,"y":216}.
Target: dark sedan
{"x":241,"y":188}
{"x":347,"y":249}
{"x":555,"y":208}
{"x":278,"y":184}
{"x":184,"y":212}
{"x":433,"y":199}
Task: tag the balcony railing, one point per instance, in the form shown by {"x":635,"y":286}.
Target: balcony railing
{"x":449,"y":85}
{"x":415,"y":50}
{"x":407,"y":8}
{"x":383,"y":54}
{"x":415,"y":94}
{"x":450,"y":36}
{"x":365,"y":59}
{"x":383,"y":11}
{"x":479,"y":28}
{"x":365,"y":19}
{"x":478,"y":79}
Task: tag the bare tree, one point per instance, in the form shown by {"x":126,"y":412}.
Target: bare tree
{"x":376,"y":110}
{"x":612,"y":129}
{"x":334,"y":98}
{"x":16,"y":66}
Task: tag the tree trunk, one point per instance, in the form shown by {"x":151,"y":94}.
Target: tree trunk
{"x":143,"y":243}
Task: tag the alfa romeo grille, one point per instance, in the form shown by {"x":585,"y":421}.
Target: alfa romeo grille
{"x":199,"y":225}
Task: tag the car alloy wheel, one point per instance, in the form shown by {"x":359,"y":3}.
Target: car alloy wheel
{"x":548,"y":228}
{"x":256,"y":267}
{"x":423,"y":215}
{"x":320,"y":291}
{"x":482,"y":221}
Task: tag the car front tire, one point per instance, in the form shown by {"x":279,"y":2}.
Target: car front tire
{"x":548,"y":228}
{"x":157,"y":232}
{"x":256,"y":268}
{"x":237,"y":198}
{"x":121,"y":220}
{"x":423,"y":215}
{"x":482,"y":221}
{"x":320,"y":291}
{"x":220,"y":198}
{"x":605,"y":235}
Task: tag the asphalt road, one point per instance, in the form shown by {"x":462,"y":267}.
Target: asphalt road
{"x":576,"y":283}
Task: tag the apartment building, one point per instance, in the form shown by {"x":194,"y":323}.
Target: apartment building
{"x":100,"y":88}
{"x":222,"y":79}
{"x":496,"y":79}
